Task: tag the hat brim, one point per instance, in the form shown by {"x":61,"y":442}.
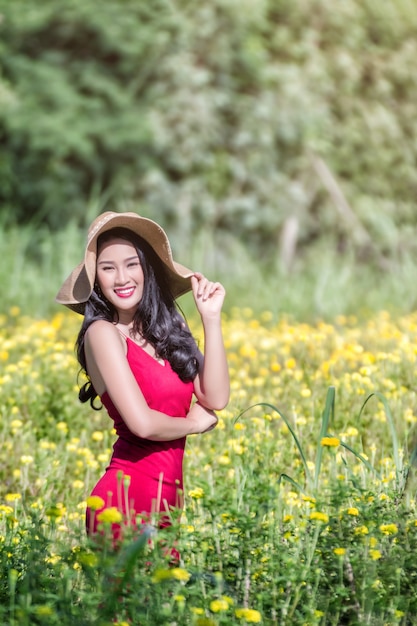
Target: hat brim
{"x":77,"y":288}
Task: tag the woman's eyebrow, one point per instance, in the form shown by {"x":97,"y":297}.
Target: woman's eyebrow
{"x":131,"y":258}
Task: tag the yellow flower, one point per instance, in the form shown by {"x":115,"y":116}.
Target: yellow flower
{"x":176,"y":573}
{"x":197,"y":610}
{"x":7,"y":510}
{"x":361,"y":530}
{"x":180,"y":574}
{"x":216,"y":606}
{"x":196,"y":493}
{"x":160,"y":575}
{"x":389,"y":529}
{"x":352,"y":431}
{"x":26,"y":459}
{"x":249,"y":615}
{"x":179,"y":598}
{"x":331,"y":442}
{"x":12,"y":497}
{"x":353,"y":511}
{"x":95,"y":502}
{"x":111,"y":515}
{"x":320,"y":517}
{"x":375,"y":554}
{"x":339,"y":551}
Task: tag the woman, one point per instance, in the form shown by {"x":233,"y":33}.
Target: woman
{"x":142,"y":361}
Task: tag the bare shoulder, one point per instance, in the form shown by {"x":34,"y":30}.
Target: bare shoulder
{"x":102,"y":333}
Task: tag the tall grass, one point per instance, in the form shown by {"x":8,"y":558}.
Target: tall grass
{"x":322,"y":284}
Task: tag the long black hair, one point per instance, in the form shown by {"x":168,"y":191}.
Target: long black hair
{"x":157,"y":318}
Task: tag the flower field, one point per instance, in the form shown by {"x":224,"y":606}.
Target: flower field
{"x":299,"y":507}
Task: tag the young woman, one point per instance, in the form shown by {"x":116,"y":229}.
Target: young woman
{"x":143,"y":363}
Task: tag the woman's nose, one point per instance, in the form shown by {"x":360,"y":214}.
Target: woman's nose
{"x":121,"y":276}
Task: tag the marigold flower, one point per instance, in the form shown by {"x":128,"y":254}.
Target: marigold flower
{"x":26,"y":459}
{"x":7,"y":510}
{"x":319,"y":516}
{"x":353,"y":511}
{"x":216,"y":606}
{"x":111,"y":515}
{"x":375,"y":554}
{"x":196,"y":493}
{"x":160,"y":575}
{"x":249,"y":615}
{"x":12,"y":497}
{"x":95,"y":502}
{"x":176,"y":573}
{"x":389,"y":529}
{"x":330,"y":442}
{"x":197,"y":610}
{"x":180,"y":574}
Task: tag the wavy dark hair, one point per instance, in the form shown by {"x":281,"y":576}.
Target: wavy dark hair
{"x":157,"y":317}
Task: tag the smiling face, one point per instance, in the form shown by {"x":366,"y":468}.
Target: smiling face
{"x":120,"y":277}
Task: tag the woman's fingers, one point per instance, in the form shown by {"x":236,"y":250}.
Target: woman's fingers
{"x":204,"y":288}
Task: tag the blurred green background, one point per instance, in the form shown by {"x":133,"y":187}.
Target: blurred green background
{"x":274,"y":140}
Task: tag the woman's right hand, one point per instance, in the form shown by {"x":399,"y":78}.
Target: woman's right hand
{"x":202,"y":419}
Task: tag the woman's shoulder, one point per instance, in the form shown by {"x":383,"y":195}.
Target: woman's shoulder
{"x":102,"y":330}
{"x":101,"y":327}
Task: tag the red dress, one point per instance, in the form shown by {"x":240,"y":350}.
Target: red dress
{"x":154,"y":468}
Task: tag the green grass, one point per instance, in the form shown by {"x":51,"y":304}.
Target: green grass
{"x":300,"y":506}
{"x":322,"y":283}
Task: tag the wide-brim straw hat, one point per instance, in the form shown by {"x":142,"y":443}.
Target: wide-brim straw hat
{"x":77,"y":288}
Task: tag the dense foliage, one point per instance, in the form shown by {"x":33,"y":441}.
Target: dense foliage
{"x":268,"y":118}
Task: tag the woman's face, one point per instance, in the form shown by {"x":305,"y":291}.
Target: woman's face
{"x":120,"y":277}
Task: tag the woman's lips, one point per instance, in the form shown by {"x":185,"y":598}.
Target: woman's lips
{"x":125,"y":292}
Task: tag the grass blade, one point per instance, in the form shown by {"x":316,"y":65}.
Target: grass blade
{"x":294,"y":436}
{"x":328,"y":415}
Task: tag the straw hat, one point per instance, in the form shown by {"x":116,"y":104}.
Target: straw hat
{"x":77,"y":288}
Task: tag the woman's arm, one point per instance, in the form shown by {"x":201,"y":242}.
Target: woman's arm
{"x":212,"y":385}
{"x":109,"y":371}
